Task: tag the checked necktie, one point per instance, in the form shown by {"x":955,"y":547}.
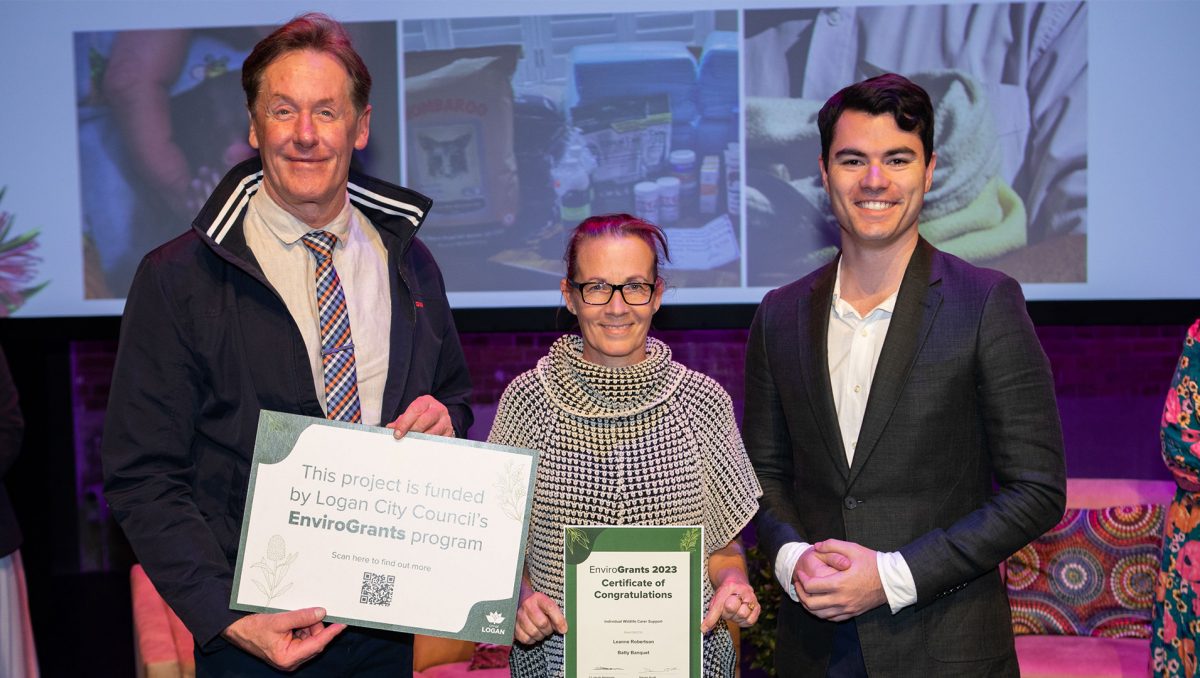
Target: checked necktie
{"x":337,"y":346}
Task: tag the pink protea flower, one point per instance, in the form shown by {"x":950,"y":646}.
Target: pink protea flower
{"x":1194,"y":331}
{"x":18,"y":265}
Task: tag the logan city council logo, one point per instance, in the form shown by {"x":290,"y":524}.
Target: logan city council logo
{"x":495,"y":619}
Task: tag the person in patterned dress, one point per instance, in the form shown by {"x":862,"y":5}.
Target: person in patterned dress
{"x":627,"y":437}
{"x":1177,"y":605}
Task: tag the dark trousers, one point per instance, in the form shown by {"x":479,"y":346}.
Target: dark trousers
{"x":356,"y":652}
{"x":846,"y":659}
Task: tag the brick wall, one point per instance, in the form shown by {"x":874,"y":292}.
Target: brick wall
{"x":1108,"y":360}
{"x":1110,"y":381}
{"x":495,"y":359}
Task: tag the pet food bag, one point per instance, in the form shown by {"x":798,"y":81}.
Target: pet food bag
{"x":459,"y":140}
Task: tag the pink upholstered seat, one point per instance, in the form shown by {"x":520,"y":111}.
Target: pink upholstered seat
{"x":163,"y":646}
{"x":1074,"y":657}
{"x":1101,"y":492}
{"x":460,"y":670}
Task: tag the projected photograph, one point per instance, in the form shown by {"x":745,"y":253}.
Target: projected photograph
{"x":520,"y":127}
{"x":162,"y":117}
{"x":1009,"y":86}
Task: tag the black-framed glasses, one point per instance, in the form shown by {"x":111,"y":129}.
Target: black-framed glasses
{"x":600,"y":293}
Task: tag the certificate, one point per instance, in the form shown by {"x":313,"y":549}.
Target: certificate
{"x":633,"y":601}
{"x":424,"y":534}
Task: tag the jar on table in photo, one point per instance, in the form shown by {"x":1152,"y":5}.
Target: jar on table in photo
{"x":683,"y":167}
{"x":645,"y":201}
{"x":668,"y":199}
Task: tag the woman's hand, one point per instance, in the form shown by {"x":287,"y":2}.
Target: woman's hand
{"x":537,"y":617}
{"x":733,"y":598}
{"x":735,"y":601}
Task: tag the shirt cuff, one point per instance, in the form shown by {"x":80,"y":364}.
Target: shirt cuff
{"x":785,"y":565}
{"x":897,"y":579}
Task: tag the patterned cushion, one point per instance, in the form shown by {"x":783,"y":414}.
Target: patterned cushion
{"x":488,"y":656}
{"x":1092,"y":575}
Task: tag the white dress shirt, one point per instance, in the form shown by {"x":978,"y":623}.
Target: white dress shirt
{"x":854,"y":344}
{"x":360,"y":258}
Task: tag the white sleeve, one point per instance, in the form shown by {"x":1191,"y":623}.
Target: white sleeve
{"x":785,"y":565}
{"x":897,"y":579}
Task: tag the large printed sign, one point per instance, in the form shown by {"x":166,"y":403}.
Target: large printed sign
{"x":424,"y":534}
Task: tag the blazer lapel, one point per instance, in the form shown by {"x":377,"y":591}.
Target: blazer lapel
{"x":814,"y":361}
{"x":917,"y":304}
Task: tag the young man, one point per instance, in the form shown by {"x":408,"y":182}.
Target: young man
{"x":885,"y":394}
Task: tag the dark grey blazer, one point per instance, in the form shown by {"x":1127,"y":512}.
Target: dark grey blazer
{"x":958,"y":465}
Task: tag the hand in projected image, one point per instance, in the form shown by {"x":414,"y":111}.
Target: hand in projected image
{"x":142,"y":67}
{"x":177,"y":156}
{"x":202,"y":185}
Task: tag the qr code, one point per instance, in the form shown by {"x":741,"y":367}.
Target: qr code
{"x":377,"y":589}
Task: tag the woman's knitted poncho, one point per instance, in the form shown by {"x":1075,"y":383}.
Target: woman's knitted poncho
{"x":649,"y":444}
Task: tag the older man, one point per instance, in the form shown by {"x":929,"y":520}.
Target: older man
{"x":900,"y":415}
{"x":300,"y":287}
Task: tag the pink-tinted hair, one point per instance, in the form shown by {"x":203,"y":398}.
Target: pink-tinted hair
{"x":617,"y":226}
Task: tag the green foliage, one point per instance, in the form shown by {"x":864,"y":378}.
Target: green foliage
{"x":758,"y":641}
{"x":689,"y":540}
{"x":577,"y":539}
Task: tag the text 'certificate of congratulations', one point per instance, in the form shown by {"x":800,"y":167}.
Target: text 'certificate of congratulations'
{"x":424,"y":534}
{"x":633,"y":601}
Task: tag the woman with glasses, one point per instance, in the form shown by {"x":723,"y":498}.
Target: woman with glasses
{"x":627,"y":437}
